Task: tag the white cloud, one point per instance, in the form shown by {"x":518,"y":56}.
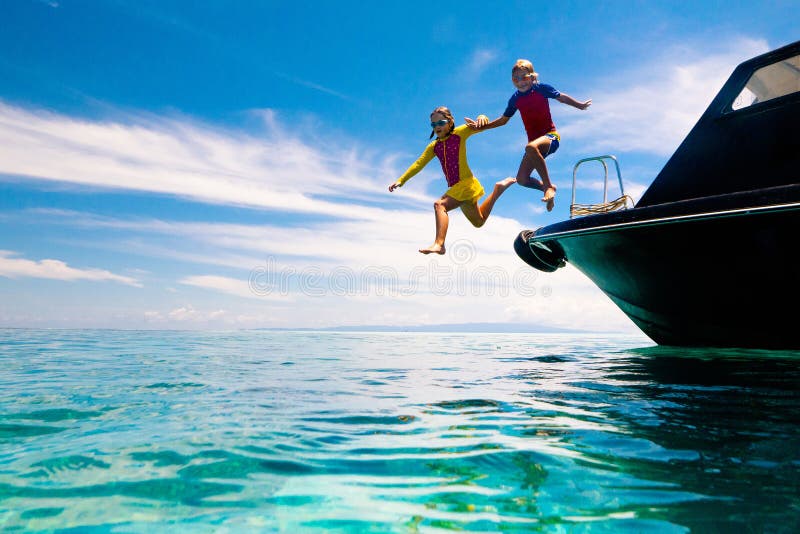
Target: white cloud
{"x":13,"y":267}
{"x":193,"y":160}
{"x":340,"y":261}
{"x":183,"y":314}
{"x":479,"y":60}
{"x":315,"y":86}
{"x":652,"y":108}
{"x":153,"y":316}
{"x":224,"y":284}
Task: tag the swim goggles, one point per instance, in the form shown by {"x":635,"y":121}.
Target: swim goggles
{"x":442,"y":122}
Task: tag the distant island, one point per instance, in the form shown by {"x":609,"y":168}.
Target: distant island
{"x":495,"y":328}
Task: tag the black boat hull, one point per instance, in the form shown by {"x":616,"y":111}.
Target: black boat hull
{"x":724,"y":278}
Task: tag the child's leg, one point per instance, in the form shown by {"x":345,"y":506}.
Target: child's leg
{"x":533,"y":160}
{"x":440,"y":209}
{"x":477,"y":215}
{"x":525,"y":176}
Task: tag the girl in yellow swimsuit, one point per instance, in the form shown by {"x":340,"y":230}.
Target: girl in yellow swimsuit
{"x":450,"y":146}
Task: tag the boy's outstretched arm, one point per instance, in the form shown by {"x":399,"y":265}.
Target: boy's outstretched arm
{"x":566,"y":99}
{"x":483,"y":123}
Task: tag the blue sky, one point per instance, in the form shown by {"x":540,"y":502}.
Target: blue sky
{"x":225,"y":164}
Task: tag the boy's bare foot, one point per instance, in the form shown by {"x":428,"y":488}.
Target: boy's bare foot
{"x":549,"y":197}
{"x":433,"y":249}
{"x":502,"y":185}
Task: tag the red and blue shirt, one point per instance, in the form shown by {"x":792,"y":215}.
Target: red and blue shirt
{"x":534,"y":109}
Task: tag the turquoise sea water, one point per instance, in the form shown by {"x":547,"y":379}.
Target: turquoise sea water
{"x":113,"y":431}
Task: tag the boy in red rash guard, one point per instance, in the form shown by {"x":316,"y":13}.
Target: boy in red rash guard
{"x":531,"y":99}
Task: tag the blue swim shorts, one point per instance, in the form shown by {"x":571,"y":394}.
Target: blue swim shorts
{"x":555,"y":140}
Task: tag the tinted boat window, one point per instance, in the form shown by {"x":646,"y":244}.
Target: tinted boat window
{"x":770,"y":82}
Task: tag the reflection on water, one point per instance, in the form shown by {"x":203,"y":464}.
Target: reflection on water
{"x":739,"y":410}
{"x":321,"y":432}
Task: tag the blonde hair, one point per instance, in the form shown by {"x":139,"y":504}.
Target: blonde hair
{"x":445,"y":111}
{"x":524,"y":64}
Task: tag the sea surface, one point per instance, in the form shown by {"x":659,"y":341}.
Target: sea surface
{"x":261,"y":431}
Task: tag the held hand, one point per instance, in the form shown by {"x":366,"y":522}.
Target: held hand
{"x":477,"y":124}
{"x":393,"y":186}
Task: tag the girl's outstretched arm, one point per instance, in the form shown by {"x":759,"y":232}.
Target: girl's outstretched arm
{"x":483,"y":123}
{"x":566,"y":99}
{"x":415,"y":167}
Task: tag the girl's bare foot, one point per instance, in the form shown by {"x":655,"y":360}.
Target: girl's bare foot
{"x":502,"y":185}
{"x":549,"y":197}
{"x":433,"y":249}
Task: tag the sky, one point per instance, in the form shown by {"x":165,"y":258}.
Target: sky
{"x":225,"y":165}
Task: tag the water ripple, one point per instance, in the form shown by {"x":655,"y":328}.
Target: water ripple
{"x":319,"y":432}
